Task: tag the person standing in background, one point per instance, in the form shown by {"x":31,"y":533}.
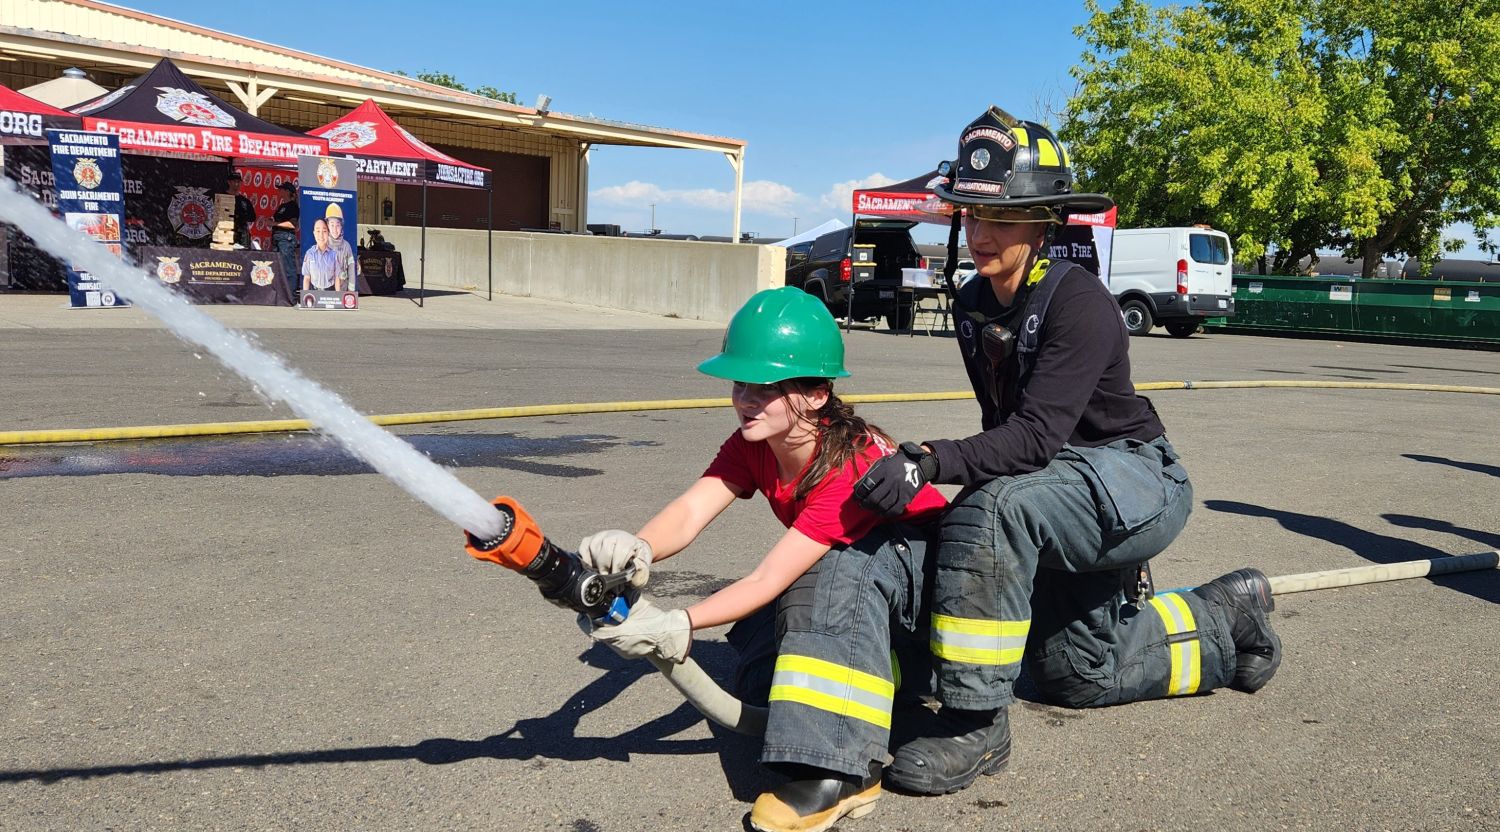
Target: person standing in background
{"x":284,"y":234}
{"x":244,"y":211}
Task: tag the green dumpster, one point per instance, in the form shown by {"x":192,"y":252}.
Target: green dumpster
{"x":1447,"y":311}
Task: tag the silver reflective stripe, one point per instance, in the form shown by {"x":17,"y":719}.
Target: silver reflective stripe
{"x":850,"y":693}
{"x":979,"y":642}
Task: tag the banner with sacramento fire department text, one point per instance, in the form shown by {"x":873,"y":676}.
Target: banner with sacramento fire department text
{"x":91,"y":199}
{"x":1088,"y":240}
{"x":328,"y":272}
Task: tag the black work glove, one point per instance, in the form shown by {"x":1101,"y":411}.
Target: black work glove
{"x":893,"y":482}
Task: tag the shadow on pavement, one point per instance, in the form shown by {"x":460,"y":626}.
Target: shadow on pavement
{"x":1376,"y":548}
{"x":552,"y":737}
{"x":1406,"y":521}
{"x":1476,"y":467}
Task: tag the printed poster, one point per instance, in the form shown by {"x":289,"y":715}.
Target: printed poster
{"x":90,"y":198}
{"x":329,"y":271}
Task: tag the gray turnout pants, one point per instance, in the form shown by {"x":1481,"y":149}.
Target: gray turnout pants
{"x":832,"y":656}
{"x":1034,"y":568}
{"x":1027,"y":568}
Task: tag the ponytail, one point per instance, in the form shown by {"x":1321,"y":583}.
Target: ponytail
{"x":842,"y":436}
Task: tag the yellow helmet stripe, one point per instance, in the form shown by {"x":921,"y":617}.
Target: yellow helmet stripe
{"x":1046,"y":153}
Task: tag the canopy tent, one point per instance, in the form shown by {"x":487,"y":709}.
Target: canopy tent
{"x":901,"y":200}
{"x":166,"y":112}
{"x":897,"y":201}
{"x":72,"y":89}
{"x":387,"y":152}
{"x":25,"y":120}
{"x":1086,"y":238}
{"x":812,"y":233}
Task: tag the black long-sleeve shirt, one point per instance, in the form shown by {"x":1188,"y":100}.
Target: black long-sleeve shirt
{"x":1078,"y":391}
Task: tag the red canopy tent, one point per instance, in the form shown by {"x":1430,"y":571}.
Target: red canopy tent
{"x":387,"y":152}
{"x":165,"y":112}
{"x":25,"y":120}
{"x":901,"y":200}
{"x":912,"y":200}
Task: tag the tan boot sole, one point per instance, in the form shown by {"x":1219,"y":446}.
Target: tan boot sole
{"x":783,"y":819}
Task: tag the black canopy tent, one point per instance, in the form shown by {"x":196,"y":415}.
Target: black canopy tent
{"x":387,"y":152}
{"x":901,"y":200}
{"x":165,"y":117}
{"x":906,"y":202}
{"x":165,"y":112}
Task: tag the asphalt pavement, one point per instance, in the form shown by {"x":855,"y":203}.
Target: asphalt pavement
{"x":260,"y":633}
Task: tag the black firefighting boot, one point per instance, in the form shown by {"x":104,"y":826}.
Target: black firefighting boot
{"x":952,"y":751}
{"x":815,"y":800}
{"x":1247,"y":594}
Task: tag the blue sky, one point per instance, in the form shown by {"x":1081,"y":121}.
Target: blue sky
{"x":828,"y":95}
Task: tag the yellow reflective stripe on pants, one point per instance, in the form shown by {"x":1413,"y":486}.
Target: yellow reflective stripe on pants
{"x":978,"y":640}
{"x":834,"y":688}
{"x":1182,"y":643}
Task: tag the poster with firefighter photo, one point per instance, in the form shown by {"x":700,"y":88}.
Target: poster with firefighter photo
{"x":329,"y":273}
{"x":90,"y":197}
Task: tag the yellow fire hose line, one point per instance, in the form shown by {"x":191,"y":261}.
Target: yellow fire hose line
{"x":63,"y":435}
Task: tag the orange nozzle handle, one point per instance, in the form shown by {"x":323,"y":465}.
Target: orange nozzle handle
{"x":519,"y":544}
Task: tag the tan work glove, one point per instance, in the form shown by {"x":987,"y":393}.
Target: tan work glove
{"x":650,"y":630}
{"x":611,"y":552}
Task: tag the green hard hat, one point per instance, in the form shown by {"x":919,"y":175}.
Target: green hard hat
{"x":779,"y":334}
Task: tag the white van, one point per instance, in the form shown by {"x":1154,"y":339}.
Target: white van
{"x":1173,"y":277}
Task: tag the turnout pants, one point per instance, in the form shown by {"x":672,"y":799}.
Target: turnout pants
{"x":285,"y":242}
{"x":827,"y":658}
{"x":1034,"y":568}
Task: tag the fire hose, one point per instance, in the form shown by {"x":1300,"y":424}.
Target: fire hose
{"x":565,"y":581}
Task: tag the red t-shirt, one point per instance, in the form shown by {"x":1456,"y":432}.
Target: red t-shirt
{"x":829,"y":514}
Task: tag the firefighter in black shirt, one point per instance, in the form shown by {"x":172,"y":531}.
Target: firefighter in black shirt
{"x":1070,"y":488}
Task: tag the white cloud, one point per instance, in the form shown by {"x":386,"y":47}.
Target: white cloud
{"x":632,"y":192}
{"x":772,"y":198}
{"x":760,"y":196}
{"x":840,"y":198}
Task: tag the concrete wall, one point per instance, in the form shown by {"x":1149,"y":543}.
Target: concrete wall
{"x":686,"y":278}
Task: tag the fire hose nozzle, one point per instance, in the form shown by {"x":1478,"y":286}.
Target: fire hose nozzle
{"x":560,"y":574}
{"x":518,"y":545}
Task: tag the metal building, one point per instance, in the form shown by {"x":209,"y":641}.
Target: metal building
{"x":539,"y":157}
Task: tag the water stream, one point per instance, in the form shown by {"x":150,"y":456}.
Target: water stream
{"x":385,"y":452}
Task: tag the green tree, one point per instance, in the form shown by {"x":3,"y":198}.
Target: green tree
{"x":1295,"y":125}
{"x":444,"y":79}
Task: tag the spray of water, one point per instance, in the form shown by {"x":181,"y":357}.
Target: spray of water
{"x":400,"y":462}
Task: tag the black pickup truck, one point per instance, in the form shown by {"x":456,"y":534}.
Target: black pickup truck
{"x":823,"y":268}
